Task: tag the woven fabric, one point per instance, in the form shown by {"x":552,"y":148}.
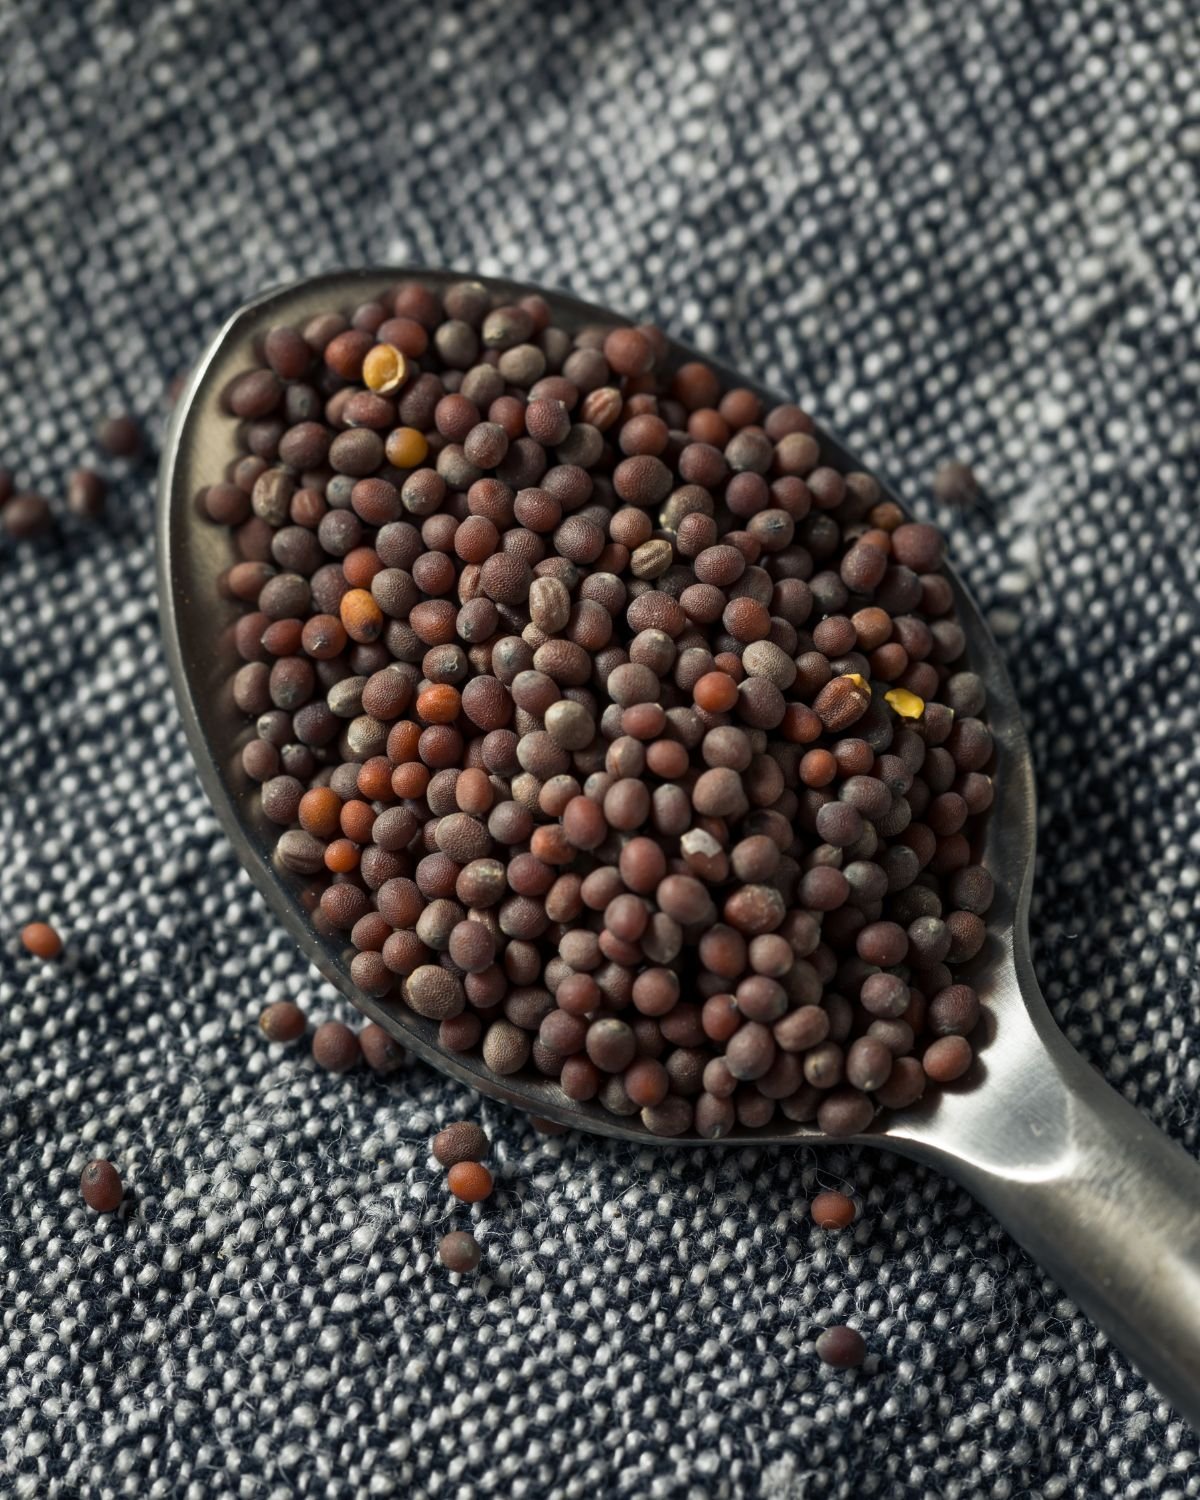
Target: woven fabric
{"x":954,"y":231}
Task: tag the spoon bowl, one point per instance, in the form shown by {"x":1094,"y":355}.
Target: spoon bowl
{"x":1095,"y":1193}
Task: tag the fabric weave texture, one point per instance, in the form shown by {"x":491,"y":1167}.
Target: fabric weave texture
{"x":951,"y":231}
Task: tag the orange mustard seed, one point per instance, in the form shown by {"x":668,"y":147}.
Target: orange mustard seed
{"x":716,"y":692}
{"x":469,"y":1181}
{"x":406,"y":448}
{"x":320,"y":812}
{"x":41,"y":940}
{"x":832,"y":1210}
{"x":361,"y":616}
{"x":360,"y":566}
{"x":410,"y":780}
{"x":357,"y":819}
{"x":439,"y":704}
{"x":342,"y":856}
{"x":403,"y":739}
{"x":375,"y":779}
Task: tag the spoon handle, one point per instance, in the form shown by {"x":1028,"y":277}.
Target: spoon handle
{"x":1111,"y":1210}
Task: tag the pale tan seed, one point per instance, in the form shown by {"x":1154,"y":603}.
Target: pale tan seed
{"x":549,"y":604}
{"x":652,"y":558}
{"x":766,"y":659}
{"x":602,"y":407}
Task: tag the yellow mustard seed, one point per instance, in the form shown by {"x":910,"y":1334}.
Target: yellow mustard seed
{"x":906,"y":704}
{"x":384,"y":369}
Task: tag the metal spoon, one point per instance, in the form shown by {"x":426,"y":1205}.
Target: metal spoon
{"x":1104,"y":1202}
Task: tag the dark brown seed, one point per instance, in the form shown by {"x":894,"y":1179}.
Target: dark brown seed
{"x":673,"y":1117}
{"x":383,"y":1053}
{"x":967,"y":935}
{"x":841,"y":1347}
{"x":335,"y":1047}
{"x":26,"y":515}
{"x":868,"y":1064}
{"x":283,"y":1021}
{"x":883,"y":943}
{"x":947,"y":1059}
{"x":801,"y":1029}
{"x":842,"y":702}
{"x":629,"y":352}
{"x":287,"y":353}
{"x":611,"y":1045}
{"x":506,"y":1048}
{"x":884,"y":995}
{"x":905,"y":1086}
{"x":750,"y":1051}
{"x":954,"y":483}
{"x":101,"y":1186}
{"x":845,"y":1111}
{"x":459,"y":1251}
{"x":86,"y":491}
{"x":461,"y":1141}
{"x":122,"y":437}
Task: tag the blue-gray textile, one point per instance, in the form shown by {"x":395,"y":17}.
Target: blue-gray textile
{"x":953,"y":230}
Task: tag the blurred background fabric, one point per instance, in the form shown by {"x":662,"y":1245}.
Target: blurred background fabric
{"x":953,"y":232}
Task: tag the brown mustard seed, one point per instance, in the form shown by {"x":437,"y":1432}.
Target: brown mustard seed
{"x":382,"y":1052}
{"x":841,"y":1347}
{"x":122,"y":437}
{"x":459,"y":1251}
{"x":954,"y":483}
{"x":459,"y":1142}
{"x":645,"y":792}
{"x":283,"y":1021}
{"x":947,"y":1059}
{"x":101,"y":1186}
{"x":335,"y":1047}
{"x":85,"y":494}
{"x":26,"y":515}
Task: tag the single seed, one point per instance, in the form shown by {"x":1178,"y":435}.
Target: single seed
{"x":459,"y":1251}
{"x":384,"y":369}
{"x":122,"y":437}
{"x":335,"y":1047}
{"x":954,"y":483}
{"x":85,"y":494}
{"x":832,"y":1210}
{"x":461,"y":1141}
{"x":382,"y":1052}
{"x":26,"y":515}
{"x":843,"y":1348}
{"x":41,"y":940}
{"x":101,"y":1186}
{"x":283,"y":1021}
{"x":469,"y":1181}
